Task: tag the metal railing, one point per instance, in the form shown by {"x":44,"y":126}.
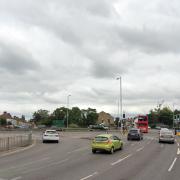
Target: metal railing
{"x":9,"y":143}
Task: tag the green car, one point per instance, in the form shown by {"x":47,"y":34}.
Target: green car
{"x":106,"y":142}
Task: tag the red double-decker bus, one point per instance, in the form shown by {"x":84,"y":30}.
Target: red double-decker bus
{"x":142,"y":123}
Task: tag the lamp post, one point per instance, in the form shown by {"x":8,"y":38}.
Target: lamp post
{"x":173,"y":115}
{"x":120,"y":100}
{"x":67,"y":109}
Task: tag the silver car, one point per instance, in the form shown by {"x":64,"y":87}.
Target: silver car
{"x":166,"y":136}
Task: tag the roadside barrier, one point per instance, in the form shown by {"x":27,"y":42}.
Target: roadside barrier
{"x":9,"y":143}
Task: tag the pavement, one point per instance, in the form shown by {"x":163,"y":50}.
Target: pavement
{"x":72,"y":159}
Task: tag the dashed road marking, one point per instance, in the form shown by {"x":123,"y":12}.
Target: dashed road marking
{"x":132,"y":144}
{"x":93,"y":174}
{"x":178,"y":151}
{"x":17,"y":178}
{"x":49,"y":165}
{"x":162,"y":145}
{"x":120,"y":160}
{"x":170,"y":168}
{"x":140,"y":149}
{"x":177,"y":144}
{"x":76,"y":150}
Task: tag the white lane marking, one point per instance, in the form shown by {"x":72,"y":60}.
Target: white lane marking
{"x":132,"y":144}
{"x":23,"y":165}
{"x":162,"y":145}
{"x":177,"y":144}
{"x":120,"y":160}
{"x":49,"y":165}
{"x":170,"y":168}
{"x":59,"y":162}
{"x":19,"y":150}
{"x":89,"y":176}
{"x":17,"y":178}
{"x":140,"y":149}
{"x":178,"y":151}
{"x":76,"y":150}
{"x":149,"y":142}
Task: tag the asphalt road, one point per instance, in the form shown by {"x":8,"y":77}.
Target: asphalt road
{"x":72,"y":159}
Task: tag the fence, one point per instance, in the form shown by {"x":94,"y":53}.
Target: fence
{"x":9,"y":143}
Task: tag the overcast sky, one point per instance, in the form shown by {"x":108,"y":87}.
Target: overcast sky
{"x":52,"y":48}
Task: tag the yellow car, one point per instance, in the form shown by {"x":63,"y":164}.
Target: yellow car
{"x":106,"y":142}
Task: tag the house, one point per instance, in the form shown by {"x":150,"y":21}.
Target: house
{"x":105,"y":118}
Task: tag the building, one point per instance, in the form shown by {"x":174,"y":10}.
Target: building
{"x":105,"y":118}
{"x":6,"y":115}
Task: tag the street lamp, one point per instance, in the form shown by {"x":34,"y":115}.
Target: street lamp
{"x":120,"y":100}
{"x":67,"y":108}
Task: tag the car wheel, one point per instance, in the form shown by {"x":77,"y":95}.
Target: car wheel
{"x":43,"y":141}
{"x":57,"y":141}
{"x":112,"y":150}
{"x":93,"y":151}
{"x":128,"y":139}
{"x":159,"y":141}
{"x":121,"y":147}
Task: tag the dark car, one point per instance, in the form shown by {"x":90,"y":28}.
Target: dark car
{"x":135,"y":134}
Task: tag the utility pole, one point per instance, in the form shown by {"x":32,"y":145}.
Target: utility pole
{"x":67,"y":110}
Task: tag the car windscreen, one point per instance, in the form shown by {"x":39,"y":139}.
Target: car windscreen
{"x":101,"y":138}
{"x":133,"y":131}
{"x":166,"y":133}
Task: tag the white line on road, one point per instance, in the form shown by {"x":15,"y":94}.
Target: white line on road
{"x":23,"y":165}
{"x":89,"y":176}
{"x":140,"y":149}
{"x":120,"y":160}
{"x":162,"y":145}
{"x":76,"y":150}
{"x":170,"y":168}
{"x":178,"y":151}
{"x":17,"y":178}
{"x":132,"y":144}
{"x":42,"y":167}
{"x":177,"y":144}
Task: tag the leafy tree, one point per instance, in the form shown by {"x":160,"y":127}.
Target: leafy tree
{"x":3,"y":121}
{"x":40,"y":116}
{"x":89,"y":116}
{"x":60,"y":113}
{"x":163,"y":116}
{"x":75,"y":116}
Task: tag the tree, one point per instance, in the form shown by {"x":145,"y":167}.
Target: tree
{"x":162,"y":116}
{"x":89,"y":116}
{"x":40,"y":116}
{"x":3,"y":121}
{"x":75,"y":116}
{"x":60,"y":113}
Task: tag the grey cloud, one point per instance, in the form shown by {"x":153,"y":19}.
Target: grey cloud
{"x":16,"y":60}
{"x":105,"y":69}
{"x":148,"y":40}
